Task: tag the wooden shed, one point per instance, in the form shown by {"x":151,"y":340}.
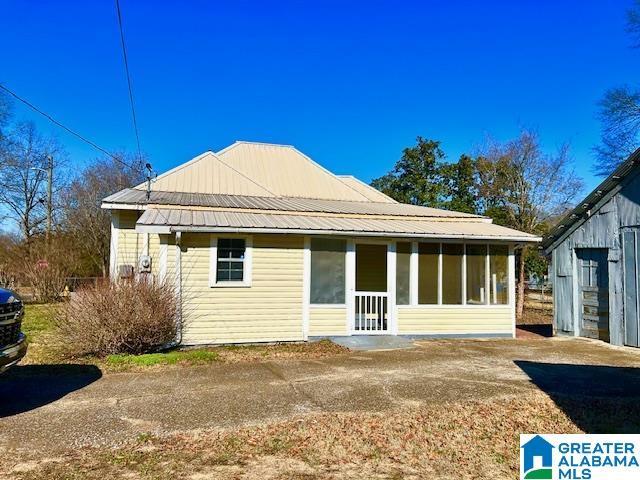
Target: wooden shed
{"x":594,"y":261}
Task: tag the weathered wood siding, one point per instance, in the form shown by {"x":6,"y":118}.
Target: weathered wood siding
{"x":602,"y":229}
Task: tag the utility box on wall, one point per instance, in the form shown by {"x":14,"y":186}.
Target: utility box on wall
{"x":144,"y":264}
{"x":125,"y":271}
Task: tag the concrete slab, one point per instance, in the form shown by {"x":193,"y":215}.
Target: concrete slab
{"x":46,"y":409}
{"x":373,"y":342}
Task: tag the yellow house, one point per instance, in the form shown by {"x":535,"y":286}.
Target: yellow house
{"x":265,"y":245}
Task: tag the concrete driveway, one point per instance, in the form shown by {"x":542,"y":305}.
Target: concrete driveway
{"x":52,"y":408}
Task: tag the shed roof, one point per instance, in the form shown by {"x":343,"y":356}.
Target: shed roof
{"x":591,"y":202}
{"x":230,"y":221}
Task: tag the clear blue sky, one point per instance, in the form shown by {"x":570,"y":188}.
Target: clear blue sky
{"x":348,"y":83}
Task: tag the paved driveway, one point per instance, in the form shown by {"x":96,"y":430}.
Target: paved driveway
{"x":58,"y":407}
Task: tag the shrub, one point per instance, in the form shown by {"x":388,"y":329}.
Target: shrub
{"x":129,"y":317}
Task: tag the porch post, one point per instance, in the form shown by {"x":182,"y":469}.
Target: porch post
{"x":511,"y":267}
{"x":306,"y":285}
{"x":391,"y":288}
{"x":413,"y":274}
{"x":350,"y":284}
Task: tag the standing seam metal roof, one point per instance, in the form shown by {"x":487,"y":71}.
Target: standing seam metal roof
{"x":133,"y":196}
{"x":210,"y":220}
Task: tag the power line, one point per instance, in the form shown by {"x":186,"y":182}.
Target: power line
{"x":126,"y":68}
{"x":64,"y":127}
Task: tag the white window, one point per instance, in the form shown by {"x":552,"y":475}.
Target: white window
{"x":230,"y":261}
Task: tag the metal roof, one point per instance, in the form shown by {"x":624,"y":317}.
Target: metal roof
{"x":138,"y":197}
{"x":257,"y":169}
{"x":210,"y":220}
{"x":585,"y":208}
{"x":368,"y":191}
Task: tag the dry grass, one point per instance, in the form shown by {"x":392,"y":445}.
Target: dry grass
{"x":533,"y":316}
{"x":462,"y":440}
{"x":244,"y":353}
{"x":221,"y":354}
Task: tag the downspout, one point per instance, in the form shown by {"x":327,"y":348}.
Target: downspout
{"x":178,"y":286}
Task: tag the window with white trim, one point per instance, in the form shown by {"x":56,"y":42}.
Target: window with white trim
{"x":230,"y":261}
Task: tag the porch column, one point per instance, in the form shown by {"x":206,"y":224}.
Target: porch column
{"x":413,"y":274}
{"x":306,"y":286}
{"x":350,"y":284}
{"x":391,"y":288}
{"x":511,"y":268}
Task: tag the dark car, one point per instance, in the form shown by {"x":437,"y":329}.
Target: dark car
{"x":13,"y":343}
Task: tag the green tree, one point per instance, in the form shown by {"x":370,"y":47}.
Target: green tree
{"x":415,"y":178}
{"x":461,"y":185}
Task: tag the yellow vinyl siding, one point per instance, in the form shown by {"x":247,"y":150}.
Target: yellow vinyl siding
{"x":327,"y":321}
{"x":268,"y":310}
{"x":454,"y":320}
{"x":129,"y":242}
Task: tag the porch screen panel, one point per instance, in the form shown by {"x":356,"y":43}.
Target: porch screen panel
{"x":327,"y":271}
{"x":476,"y":274}
{"x":403,"y":275}
{"x":499,"y":274}
{"x":428,"y":273}
{"x":452,"y":273}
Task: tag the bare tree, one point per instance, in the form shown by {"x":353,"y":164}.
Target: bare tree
{"x":82,"y":216}
{"x":23,"y":160}
{"x":527,"y":186}
{"x":619,"y":113}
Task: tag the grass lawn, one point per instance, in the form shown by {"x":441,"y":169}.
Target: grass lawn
{"x":44,"y":347}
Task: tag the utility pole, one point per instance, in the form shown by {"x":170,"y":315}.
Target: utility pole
{"x":149,"y":174}
{"x":49,"y":172}
{"x":49,"y":195}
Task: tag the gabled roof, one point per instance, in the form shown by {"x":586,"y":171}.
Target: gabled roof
{"x":257,"y":169}
{"x":592,"y":202}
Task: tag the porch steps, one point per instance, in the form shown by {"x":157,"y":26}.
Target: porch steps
{"x":373,"y":342}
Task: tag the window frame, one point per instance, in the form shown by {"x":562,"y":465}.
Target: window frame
{"x":414,"y":278}
{"x":247,"y":262}
{"x":346,"y":272}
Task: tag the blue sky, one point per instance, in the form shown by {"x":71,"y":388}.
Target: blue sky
{"x":348,"y":83}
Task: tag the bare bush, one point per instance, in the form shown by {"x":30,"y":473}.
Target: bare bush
{"x":129,"y":317}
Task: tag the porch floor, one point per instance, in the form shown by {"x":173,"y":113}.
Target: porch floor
{"x":373,"y":342}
